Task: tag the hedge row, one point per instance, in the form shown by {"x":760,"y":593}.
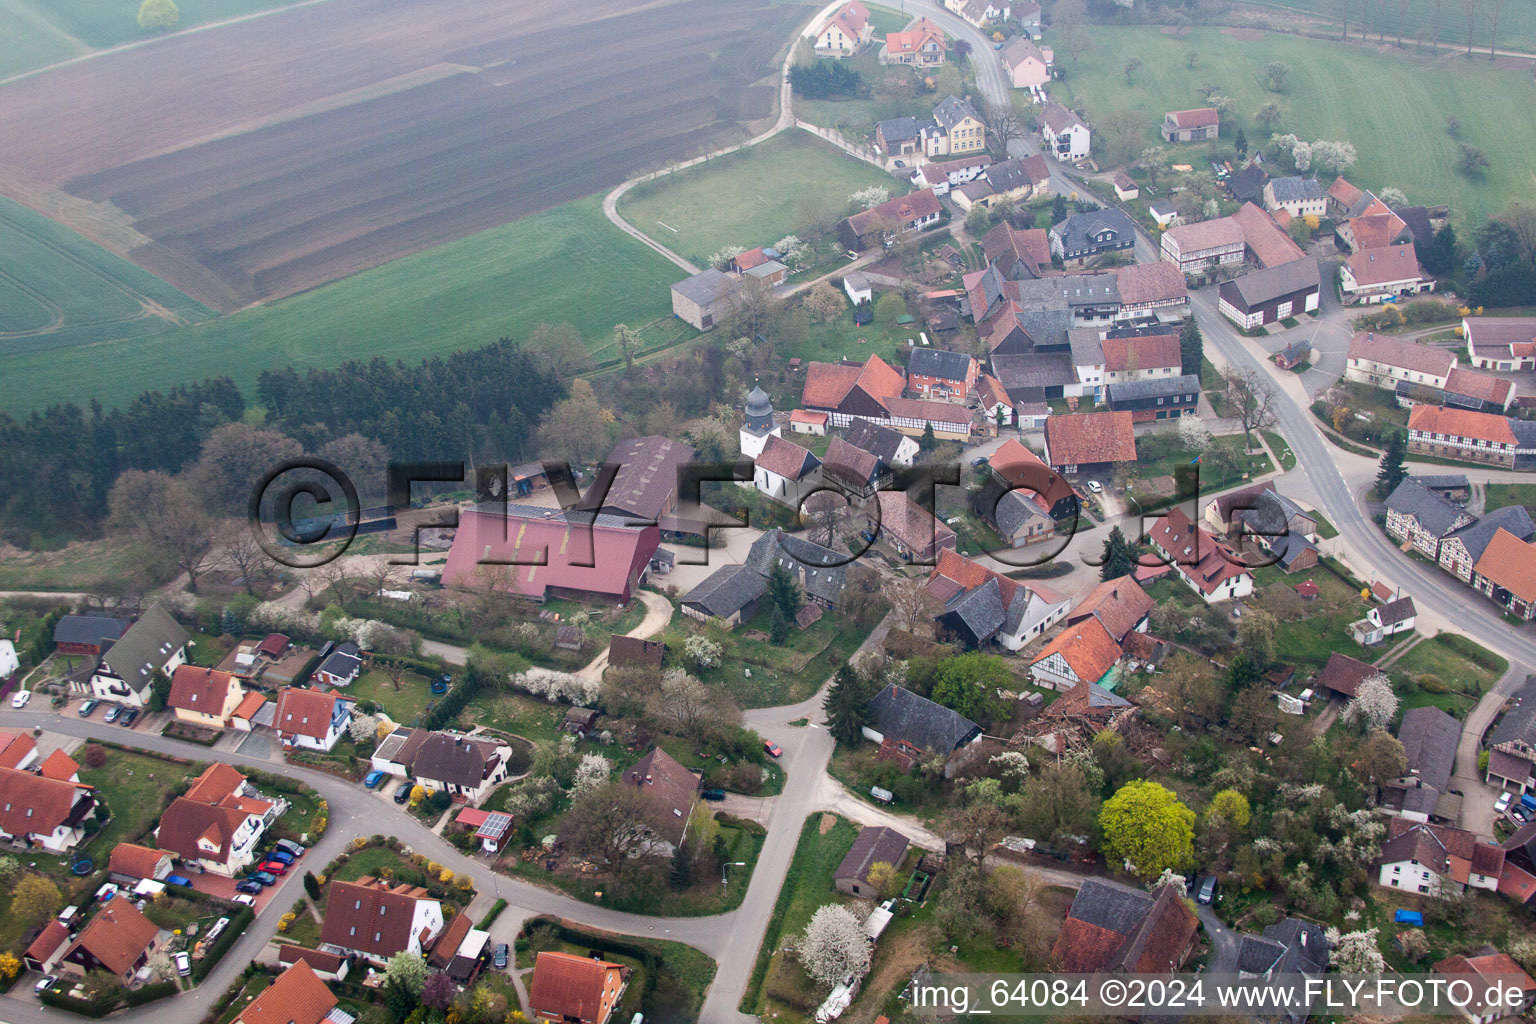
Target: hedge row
{"x":84,"y":1007}
{"x":239,"y":921}
{"x":492,"y":914}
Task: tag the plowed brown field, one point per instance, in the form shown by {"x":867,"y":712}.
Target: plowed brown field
{"x":267,"y":157}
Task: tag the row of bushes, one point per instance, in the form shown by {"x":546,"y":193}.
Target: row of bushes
{"x":492,"y":914}
{"x":239,"y":921}
{"x":105,"y":1004}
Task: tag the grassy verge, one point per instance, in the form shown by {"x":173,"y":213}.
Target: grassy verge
{"x":1281,"y":449}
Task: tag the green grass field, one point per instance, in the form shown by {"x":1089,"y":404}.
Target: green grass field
{"x":58,"y":290}
{"x":41,"y":32}
{"x":1517,"y":25}
{"x":567,"y":264}
{"x":1392,"y":108}
{"x":749,"y":198}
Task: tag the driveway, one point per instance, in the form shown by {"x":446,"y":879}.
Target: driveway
{"x":1224,"y":942}
{"x":658,"y":612}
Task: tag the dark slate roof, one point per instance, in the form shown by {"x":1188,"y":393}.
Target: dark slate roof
{"x":1442,"y":481}
{"x":1099,"y":697}
{"x":1154,"y":387}
{"x":1305,"y":944}
{"x":1271,"y":283}
{"x":146,"y":646}
{"x":1288,"y":548}
{"x":1045,"y":327}
{"x":1429,"y":737}
{"x":1270,"y":513}
{"x":727,"y":590}
{"x":343,"y":661}
{"x":881,"y":442}
{"x":1434,"y":513}
{"x":1066,"y":291}
{"x":706,"y":286}
{"x":648,"y":466}
{"x":1393,"y":612}
{"x":820,"y":570}
{"x":899,"y":714}
{"x":1295,"y":189}
{"x":932,"y":362}
{"x":1513,"y":518}
{"x":1417,"y":219}
{"x":980,"y":608}
{"x":459,"y":760}
{"x":898,"y":129}
{"x":952,"y":110}
{"x":1007,"y":175}
{"x":1257,"y":954}
{"x":1119,"y":908}
{"x":1087,"y":346}
{"x":876,"y":844}
{"x":1013,"y":509}
{"x":1249,"y":182}
{"x":1034,"y":370}
{"x":1074,"y":231}
{"x":88,"y":629}
{"x":1519,"y":722}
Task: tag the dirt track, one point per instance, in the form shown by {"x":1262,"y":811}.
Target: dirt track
{"x":292,"y":150}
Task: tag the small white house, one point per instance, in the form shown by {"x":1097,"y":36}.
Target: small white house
{"x":858,"y":288}
{"x":1390,"y":619}
{"x":310,"y":719}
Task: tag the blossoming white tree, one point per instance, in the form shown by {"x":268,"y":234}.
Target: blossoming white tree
{"x":1374,"y":705}
{"x":834,"y":946}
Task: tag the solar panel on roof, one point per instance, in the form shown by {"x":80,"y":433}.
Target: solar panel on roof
{"x":496,"y":825}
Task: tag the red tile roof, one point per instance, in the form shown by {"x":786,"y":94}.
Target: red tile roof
{"x":1147,"y":352}
{"x":1343,"y":674}
{"x":1199,"y":117}
{"x":955,"y":573}
{"x":273,"y":645}
{"x":1118,"y":603}
{"x":1221,"y":233}
{"x":14,"y":747}
{"x":370,"y":916}
{"x":913,"y":39}
{"x":1195,"y":554}
{"x":1032,"y":246}
{"x":785,"y":458}
{"x":910,"y":523}
{"x":1377,"y":228}
{"x":570,"y":987}
{"x":1485,"y":387}
{"x":904,"y":210}
{"x":187,"y":824}
{"x":199,"y":689}
{"x":302,"y":712}
{"x":117,"y":936}
{"x":1150,"y":282}
{"x":1087,"y":648}
{"x":1481,"y":426}
{"x":1509,"y":562}
{"x":992,"y":392}
{"x":1407,"y":355}
{"x":1085,"y":438}
{"x":806,"y":416}
{"x":48,"y":941}
{"x":672,"y":786}
{"x":249,"y":705}
{"x":59,"y":765}
{"x":1344,"y":193}
{"x":1270,"y":244}
{"x":32,"y":804}
{"x":1384,"y":264}
{"x":134,"y":860}
{"x":1492,"y":970}
{"x":298,"y":996}
{"x":217,"y":781}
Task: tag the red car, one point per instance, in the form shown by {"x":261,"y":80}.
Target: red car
{"x":774,"y":750}
{"x":273,"y":867}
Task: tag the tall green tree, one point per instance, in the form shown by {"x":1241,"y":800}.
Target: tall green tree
{"x":1117,"y":556}
{"x":1393,"y":472}
{"x":1440,"y":255}
{"x":846,"y":705}
{"x":1240,"y":142}
{"x":1146,"y":826}
{"x":784,"y":592}
{"x":1191,"y":346}
{"x":969,"y":684}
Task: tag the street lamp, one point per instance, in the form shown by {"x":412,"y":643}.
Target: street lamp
{"x":730,"y":864}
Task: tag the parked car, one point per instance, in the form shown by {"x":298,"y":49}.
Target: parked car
{"x":372,"y":779}
{"x":273,"y":867}
{"x":1502,"y":803}
{"x":713,"y":794}
{"x":979,"y":462}
{"x":404,"y":792}
{"x":291,"y":846}
{"x":182,"y":880}
{"x":1095,"y":487}
{"x":183,"y":964}
{"x":1520,"y":814}
{"x":19,"y":700}
{"x":264,"y":877}
{"x":113,"y":712}
{"x":1207,"y":891}
{"x":128,"y":717}
{"x":245,"y":899}
{"x":501,"y":957}
{"x":248,"y":888}
{"x":46,"y":981}
{"x":774,"y":750}
{"x":87,"y":708}
{"x":441,"y":683}
{"x":281,"y":856}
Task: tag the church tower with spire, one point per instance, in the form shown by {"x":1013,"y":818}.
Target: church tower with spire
{"x":758,"y":425}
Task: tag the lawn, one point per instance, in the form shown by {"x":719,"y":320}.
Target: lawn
{"x":84,"y":565}
{"x":134,"y":787}
{"x":404,"y":705}
{"x":1500,"y":495}
{"x":1517,"y":26}
{"x":466,"y":294}
{"x":752,"y":197}
{"x":1281,"y":449}
{"x":807,"y":886}
{"x":517,"y":714}
{"x":855,"y":117}
{"x":58,"y":290}
{"x":1464,"y":670}
{"x":1392,"y":107}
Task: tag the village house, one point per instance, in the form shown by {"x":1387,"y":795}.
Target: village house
{"x":899,"y":136}
{"x":204,"y":696}
{"x":915,"y":533}
{"x":845,"y":33}
{"x":467,"y":768}
{"x":1484,"y":975}
{"x":118,"y":940}
{"x":1015,"y":466}
{"x":86,"y":634}
{"x":1089,"y":443}
{"x":1246,"y":185}
{"x":920,"y":44}
{"x":1119,"y":605}
{"x":1434,"y":860}
{"x":1196,"y":248}
{"x":1084,"y":235}
{"x":1163,"y":398}
{"x":851,"y":470}
{"x":944,"y":176}
{"x":1084,"y":652}
{"x":883,"y":224}
{"x":1028,"y":65}
{"x":372,"y":919}
{"x":959,"y":129}
{"x":731,"y":594}
{"x":1195,"y":125}
{"x":645,"y":487}
{"x":1126,"y":188}
{"x":1009,"y":181}
{"x":905,"y":724}
{"x":1464,"y":549}
{"x":129,"y":864}
{"x":1471,"y":436}
{"x":706,"y":298}
{"x":1016,"y":253}
{"x":126,"y":669}
{"x":1429,"y":737}
{"x":310,"y":719}
{"x":1207,"y":566}
{"x":219,"y":822}
{"x":673,"y":789}
{"x":892,"y":447}
{"x":1113,"y":928}
{"x":940,"y":375}
{"x":980,"y":13}
{"x":803,"y":421}
{"x":1152,"y":289}
{"x":1383,"y":274}
{"x":1383,"y":621}
{"x":572,"y":989}
{"x":995,"y":407}
{"x":1383,"y":361}
{"x":1066,"y":136}
{"x":786,"y":472}
{"x":1277,"y":526}
{"x":1140,"y":356}
{"x":876,"y":844}
{"x":539,"y":553}
{"x":1421,"y":516}
{"x":982,"y":606}
{"x":1270,"y":295}
{"x":1464,"y":389}
{"x":1500,"y":342}
{"x":38,"y":811}
{"x":297,"y":996}
{"x":1297,"y":196}
{"x":1019,"y":517}
{"x":1506,"y":573}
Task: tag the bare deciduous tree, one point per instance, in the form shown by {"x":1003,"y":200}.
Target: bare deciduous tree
{"x":1003,"y":124}
{"x":913,"y":605}
{"x":246,"y":558}
{"x":1252,"y":399}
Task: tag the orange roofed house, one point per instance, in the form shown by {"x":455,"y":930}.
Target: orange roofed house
{"x":218,"y":823}
{"x":921,"y":43}
{"x":37,"y":811}
{"x":1469,"y":436}
{"x":845,"y":32}
{"x":1195,"y":125}
{"x":1090,"y":442}
{"x":1506,"y":572}
{"x":375,"y":920}
{"x":571,"y":989}
{"x":1114,"y":928}
{"x":297,"y":996}
{"x":310,"y":718}
{"x":117,"y":940}
{"x":891,"y":219}
{"x":1209,"y":567}
{"x":204,"y":696}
